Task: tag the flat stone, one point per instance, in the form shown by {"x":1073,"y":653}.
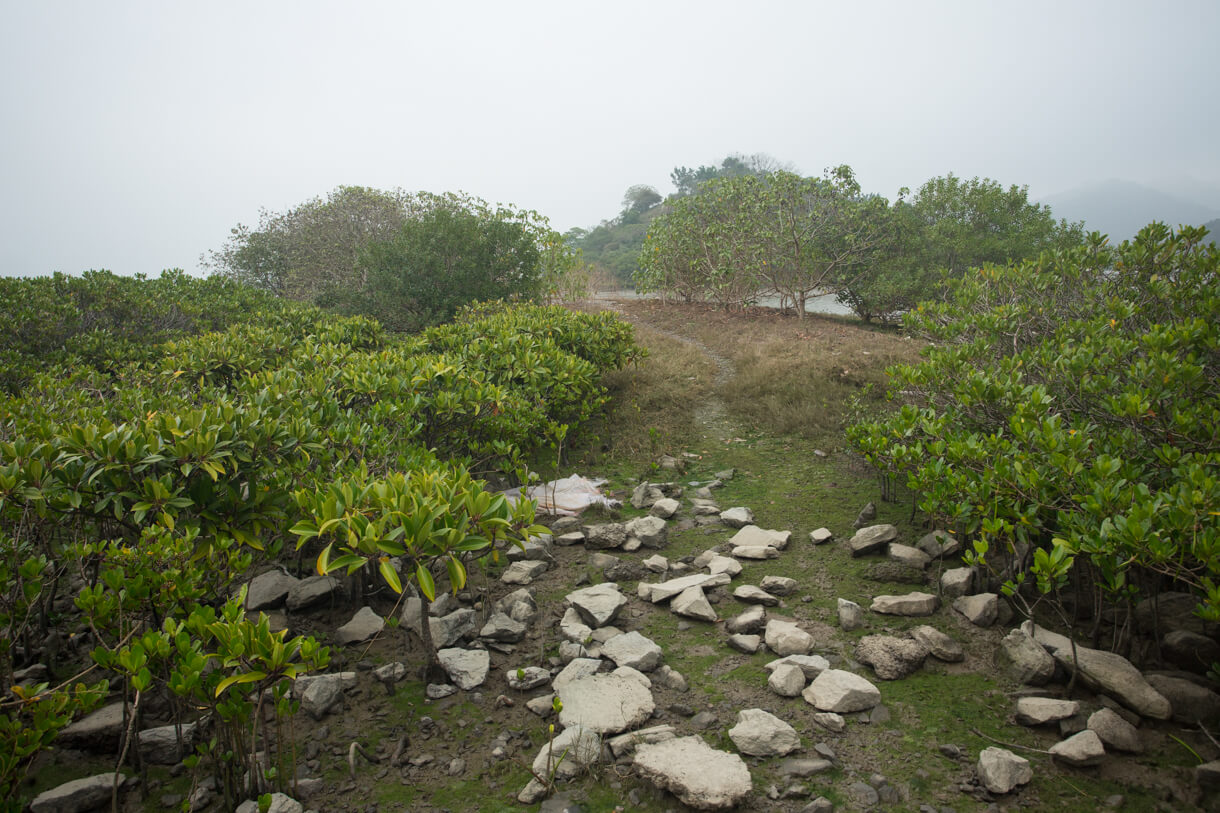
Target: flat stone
{"x":810,"y":665}
{"x":778,"y":585}
{"x":1043,"y":710}
{"x":76,"y":796}
{"x":99,"y":730}
{"x":752,"y":536}
{"x":651,"y":531}
{"x":503,"y":628}
{"x":571,"y":752}
{"x":534,"y":549}
{"x":906,"y":555}
{"x":744,"y":642}
{"x":956,"y":582}
{"x":786,"y":638}
{"x":606,"y":536}
{"x":1000,"y":770}
{"x":364,"y":625}
{"x":872,"y":539}
{"x":755,"y":595}
{"x":804,"y":767}
{"x":981,"y":609}
{"x":576,"y":669}
{"x":518,"y":605}
{"x":528,"y":677}
{"x":787,"y":680}
{"x":665,"y":508}
{"x":310,"y":592}
{"x":724,"y":564}
{"x":891,"y":658}
{"x":657,"y":563}
{"x":280,"y":803}
{"x":692,"y":603}
{"x":607,"y":704}
{"x":668,"y":589}
{"x":634,"y":650}
{"x":523,"y":572}
{"x":938,"y":644}
{"x":912,"y":604}
{"x":699,"y":775}
{"x":269,"y":590}
{"x":624,"y":745}
{"x":821,"y":536}
{"x":321,"y":694}
{"x":761,"y":734}
{"x":1115,"y":732}
{"x":1026,"y":661}
{"x":573,"y":627}
{"x":448,"y":629}
{"x":851,"y":615}
{"x":842,"y":692}
{"x":598,"y":605}
{"x":1079,"y":750}
{"x":1106,"y":671}
{"x":757,"y":552}
{"x":737,"y":517}
{"x":750,"y":620}
{"x":570,"y":538}
{"x":467,"y":668}
{"x":831,"y":721}
{"x":390,"y":673}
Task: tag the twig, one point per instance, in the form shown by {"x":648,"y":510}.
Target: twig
{"x":357,"y":748}
{"x":1208,"y":734}
{"x":399,"y":751}
{"x":978,"y":733}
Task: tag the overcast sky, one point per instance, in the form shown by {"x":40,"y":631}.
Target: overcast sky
{"x":135,"y":135}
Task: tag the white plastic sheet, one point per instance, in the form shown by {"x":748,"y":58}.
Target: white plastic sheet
{"x":565,"y":497}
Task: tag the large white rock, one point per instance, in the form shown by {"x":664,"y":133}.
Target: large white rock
{"x":1080,"y":750}
{"x":99,"y":730}
{"x":737,"y":517}
{"x":851,"y":616}
{"x":576,"y":669}
{"x":308,"y":592}
{"x":1106,"y":671}
{"x":159,"y":745}
{"x":842,"y":692}
{"x":467,"y":668}
{"x":752,"y":535}
{"x":724,"y":564}
{"x":280,"y":803}
{"x":606,"y":704}
{"x":1027,"y":661}
{"x":692,"y":603}
{"x":363,"y":626}
{"x":269,"y":590}
{"x":523,"y":571}
{"x":981,"y":609}
{"x":77,"y":795}
{"x":651,"y":531}
{"x":662,"y":591}
{"x":938,"y":644}
{"x":573,"y":627}
{"x":598,"y":605}
{"x":1115,"y":732}
{"x":1000,"y":770}
{"x":906,"y":555}
{"x":912,"y":604}
{"x":664,"y":508}
{"x":755,"y":595}
{"x":755,"y":552}
{"x":778,"y":585}
{"x":786,"y":638}
{"x":787,"y":680}
{"x":810,"y":665}
{"x":634,"y":650}
{"x":956,"y":582}
{"x":891,"y":658}
{"x":699,"y":775}
{"x":1042,"y":710}
{"x":750,"y":620}
{"x":872,"y":539}
{"x":761,"y":734}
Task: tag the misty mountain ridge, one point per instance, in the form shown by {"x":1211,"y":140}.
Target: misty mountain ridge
{"x":1121,"y":208}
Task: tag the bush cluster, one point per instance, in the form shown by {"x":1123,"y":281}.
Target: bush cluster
{"x":147,"y":488}
{"x":1066,"y":421}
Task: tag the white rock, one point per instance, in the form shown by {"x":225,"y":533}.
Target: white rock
{"x":606,"y":704}
{"x":724,"y":564}
{"x":744,"y":642}
{"x":753,"y":536}
{"x":573,"y":627}
{"x":651,"y":531}
{"x":665,"y":507}
{"x":956,"y":582}
{"x":699,"y":775}
{"x":634,"y":650}
{"x":634,"y":674}
{"x":810,"y":665}
{"x":751,"y":620}
{"x":981,"y":609}
{"x":786,"y":638}
{"x":842,"y":692}
{"x":280,"y":803}
{"x":938,"y":644}
{"x":851,"y":615}
{"x":737,"y":517}
{"x":904,"y":554}
{"x":787,"y":680}
{"x":363,"y":626}
{"x":529,"y":677}
{"x":598,"y":605}
{"x":668,"y":589}
{"x":1080,"y":750}
{"x":692,"y":603}
{"x":569,"y":754}
{"x":1042,"y":710}
{"x":1115,"y":732}
{"x":657,"y":563}
{"x":1000,"y":770}
{"x":821,"y":536}
{"x":755,"y":552}
{"x":467,"y":668}
{"x":624,"y":745}
{"x":912,"y":604}
{"x":872,"y":539}
{"x":576,"y":669}
{"x":830,"y":721}
{"x":778,"y":585}
{"x":762,"y":734}
{"x":269,"y":590}
{"x":755,"y":595}
{"x":1027,"y":661}
{"x":523,"y":572}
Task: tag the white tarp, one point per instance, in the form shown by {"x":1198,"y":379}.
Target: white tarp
{"x":566,"y":497}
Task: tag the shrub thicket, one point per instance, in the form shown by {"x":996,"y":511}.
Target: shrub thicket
{"x":146,"y":489}
{"x":1066,"y":421}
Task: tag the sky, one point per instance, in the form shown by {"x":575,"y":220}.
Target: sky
{"x":135,"y":135}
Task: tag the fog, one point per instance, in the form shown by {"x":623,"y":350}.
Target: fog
{"x":135,"y":135}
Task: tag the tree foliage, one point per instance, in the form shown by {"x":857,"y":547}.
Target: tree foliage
{"x":1066,"y":421}
{"x":374,"y":252}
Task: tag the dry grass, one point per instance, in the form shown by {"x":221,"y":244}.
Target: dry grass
{"x":792,"y":376}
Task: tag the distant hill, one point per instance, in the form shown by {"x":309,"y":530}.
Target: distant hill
{"x":1213,"y":229}
{"x":1122,"y":208}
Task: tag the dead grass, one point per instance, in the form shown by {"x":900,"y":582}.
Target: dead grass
{"x":792,"y":376}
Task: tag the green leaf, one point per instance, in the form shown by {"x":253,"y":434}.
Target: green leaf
{"x":239,"y":679}
{"x":426,"y":585}
{"x":386,"y":568}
